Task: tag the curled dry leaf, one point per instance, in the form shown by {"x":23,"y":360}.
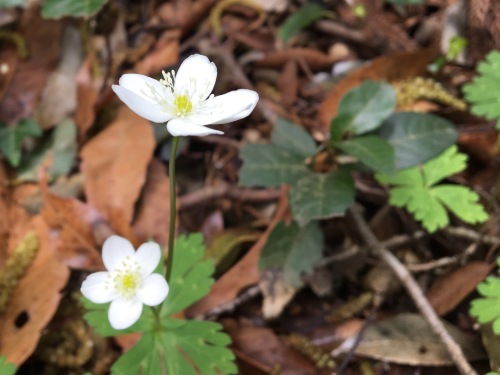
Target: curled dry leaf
{"x":114,"y":164}
{"x":314,"y":59}
{"x":244,"y":273}
{"x":31,"y":74}
{"x":72,"y":221}
{"x":153,"y":214}
{"x":393,"y":67}
{"x":451,"y":289}
{"x":37,"y":295}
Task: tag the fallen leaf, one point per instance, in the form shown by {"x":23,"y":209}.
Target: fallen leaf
{"x":86,"y":96}
{"x":37,"y":295}
{"x":114,"y":164}
{"x":392,"y":67}
{"x":242,"y":274}
{"x":451,"y":289}
{"x":263,"y":346}
{"x":59,"y":99}
{"x":31,"y":74}
{"x":408,"y":339}
{"x":288,"y":83}
{"x":153,"y":214}
{"x":165,"y":54}
{"x":72,"y":222}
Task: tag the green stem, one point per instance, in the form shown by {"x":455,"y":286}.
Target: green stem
{"x":173,"y":210}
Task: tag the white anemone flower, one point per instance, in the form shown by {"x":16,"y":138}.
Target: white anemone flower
{"x":183,"y":100}
{"x":129,"y":281}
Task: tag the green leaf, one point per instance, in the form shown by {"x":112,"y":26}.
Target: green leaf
{"x":320,"y":196}
{"x":487,"y":309}
{"x":270,"y":165}
{"x":74,"y":8}
{"x":415,"y":190}
{"x":417,"y":137}
{"x":11,"y":138}
{"x":181,"y":348}
{"x":300,"y":19}
{"x":293,"y":138}
{"x":191,"y":276}
{"x":6,"y":368}
{"x":62,"y":148}
{"x":364,"y":108}
{"x":371,"y":150}
{"x":293,"y":250}
{"x":484,"y":90}
{"x":7,"y":4}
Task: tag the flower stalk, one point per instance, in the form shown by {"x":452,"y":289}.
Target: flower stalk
{"x":173,"y":210}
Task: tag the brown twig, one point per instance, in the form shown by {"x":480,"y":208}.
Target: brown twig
{"x":415,"y":292}
{"x":208,"y":193}
{"x":472,"y":235}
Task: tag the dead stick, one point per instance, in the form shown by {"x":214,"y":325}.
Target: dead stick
{"x":415,"y":292}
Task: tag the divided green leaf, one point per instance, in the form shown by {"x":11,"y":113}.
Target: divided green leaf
{"x":417,"y":137}
{"x":292,"y":250}
{"x":373,"y":151}
{"x":282,"y":161}
{"x":300,"y":19}
{"x":321,"y":196}
{"x":74,"y":8}
{"x":414,"y":189}
{"x":487,"y":309}
{"x":364,"y":108}
{"x":176,"y":347}
{"x":484,"y":90}
{"x":6,"y":368}
{"x":11,"y":138}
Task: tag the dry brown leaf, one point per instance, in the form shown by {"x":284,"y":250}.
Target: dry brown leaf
{"x":37,"y":295}
{"x":165,"y":53}
{"x":86,"y":96}
{"x":153,"y":214}
{"x":114,"y":164}
{"x":42,"y":39}
{"x":408,"y":339}
{"x":393,"y":67}
{"x":72,"y":221}
{"x":243,"y":274}
{"x":451,"y":289}
{"x":263,"y":346}
{"x":314,"y":59}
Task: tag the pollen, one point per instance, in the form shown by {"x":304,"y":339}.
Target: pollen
{"x":127,"y":279}
{"x":182,"y":105}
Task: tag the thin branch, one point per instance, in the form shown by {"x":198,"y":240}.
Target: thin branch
{"x":415,"y":292}
{"x":209,"y":193}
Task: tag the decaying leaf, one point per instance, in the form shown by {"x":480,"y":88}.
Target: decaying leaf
{"x":408,"y":339}
{"x":115,"y":164}
{"x":451,"y":289}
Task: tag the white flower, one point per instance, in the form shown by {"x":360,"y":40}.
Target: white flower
{"x":129,"y":282}
{"x":184,"y":99}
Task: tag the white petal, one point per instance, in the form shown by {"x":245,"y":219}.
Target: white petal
{"x":196,"y":76}
{"x":226,"y":108}
{"x":94,"y":287}
{"x":123,"y":313}
{"x":143,"y":107}
{"x":114,"y":251}
{"x":153,"y":291}
{"x":147,"y":256}
{"x":183,"y":126}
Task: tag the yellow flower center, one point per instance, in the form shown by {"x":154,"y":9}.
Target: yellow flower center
{"x":183,"y":105}
{"x":127,"y":279}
